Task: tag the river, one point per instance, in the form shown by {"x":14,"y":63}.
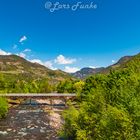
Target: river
{"x":30,"y":122}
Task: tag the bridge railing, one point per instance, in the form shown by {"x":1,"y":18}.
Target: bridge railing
{"x":38,"y":95}
{"x":50,"y":96}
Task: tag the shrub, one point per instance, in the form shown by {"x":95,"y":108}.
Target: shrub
{"x":3,"y":107}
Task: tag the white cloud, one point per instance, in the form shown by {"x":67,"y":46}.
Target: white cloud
{"x":49,"y":65}
{"x":63,"y":60}
{"x":4,"y":53}
{"x":37,"y":61}
{"x":27,"y":50}
{"x":21,"y":54}
{"x":71,"y":69}
{"x":22,"y":39}
{"x":113,"y":61}
{"x":93,"y":67}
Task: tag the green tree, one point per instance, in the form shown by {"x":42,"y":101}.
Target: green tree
{"x":109,"y":109}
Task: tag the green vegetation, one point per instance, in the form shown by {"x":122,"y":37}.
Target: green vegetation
{"x":70,"y":86}
{"x":11,"y":84}
{"x":108,"y":106}
{"x":3,"y":107}
{"x":18,"y":75}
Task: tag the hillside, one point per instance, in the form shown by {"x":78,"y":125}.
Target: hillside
{"x":18,"y":67}
{"x":122,"y":63}
{"x":13,"y":66}
{"x":85,"y":72}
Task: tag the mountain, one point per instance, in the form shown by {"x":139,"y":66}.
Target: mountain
{"x":18,"y":67}
{"x":122,"y":63}
{"x":85,"y":72}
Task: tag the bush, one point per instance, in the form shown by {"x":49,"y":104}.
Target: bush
{"x":109,"y":109}
{"x":3,"y":107}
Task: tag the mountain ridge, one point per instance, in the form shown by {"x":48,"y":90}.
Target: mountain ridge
{"x":13,"y":64}
{"x":85,"y":72}
{"x":16,"y":65}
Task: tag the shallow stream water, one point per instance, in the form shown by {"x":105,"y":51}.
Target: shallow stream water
{"x":27,"y":122}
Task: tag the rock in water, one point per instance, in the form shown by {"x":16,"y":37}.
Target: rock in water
{"x":3,"y":132}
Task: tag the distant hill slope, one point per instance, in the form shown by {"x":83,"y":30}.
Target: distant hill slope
{"x":19,"y":67}
{"x":85,"y":72}
{"x":120,"y":64}
{"x":123,"y":62}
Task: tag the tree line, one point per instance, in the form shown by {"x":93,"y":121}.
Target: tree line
{"x":108,"y":106}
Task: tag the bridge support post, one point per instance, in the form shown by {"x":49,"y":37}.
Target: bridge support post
{"x":65,"y":102}
{"x":51,"y":103}
{"x":30,"y":101}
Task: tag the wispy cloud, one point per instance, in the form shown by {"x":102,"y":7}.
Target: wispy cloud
{"x":37,"y":61}
{"x":59,"y":60}
{"x":63,"y":60}
{"x":24,"y":53}
{"x":71,"y":69}
{"x":15,"y":46}
{"x":27,"y":50}
{"x":47,"y":64}
{"x":21,"y":54}
{"x":93,"y":67}
{"x":2,"y":52}
{"x":113,"y":61}
{"x":22,"y":39}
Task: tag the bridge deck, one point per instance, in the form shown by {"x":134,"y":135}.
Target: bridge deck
{"x":38,"y":95}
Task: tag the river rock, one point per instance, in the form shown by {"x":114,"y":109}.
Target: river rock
{"x":9,"y":129}
{"x":44,"y":128}
{"x":14,"y":130}
{"x":3,"y":132}
{"x":22,"y":133}
{"x":31,"y":128}
{"x":42,"y":131}
{"x":23,"y":129}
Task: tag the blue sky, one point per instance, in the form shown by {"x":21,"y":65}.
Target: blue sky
{"x":67,"y":39}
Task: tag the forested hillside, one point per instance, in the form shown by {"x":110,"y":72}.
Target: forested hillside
{"x":18,"y":75}
{"x":108,"y":106}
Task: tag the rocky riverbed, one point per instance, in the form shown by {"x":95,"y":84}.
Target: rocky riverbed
{"x":30,"y":122}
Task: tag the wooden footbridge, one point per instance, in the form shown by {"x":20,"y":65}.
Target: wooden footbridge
{"x":44,"y":96}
